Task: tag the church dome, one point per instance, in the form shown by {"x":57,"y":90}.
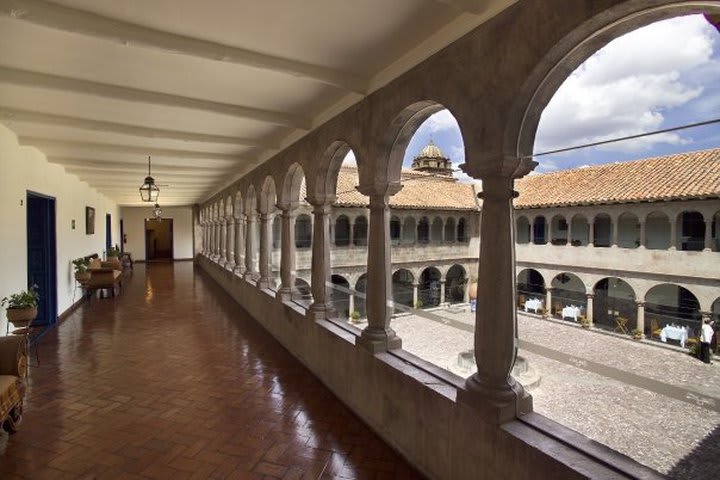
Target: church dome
{"x":431,"y":151}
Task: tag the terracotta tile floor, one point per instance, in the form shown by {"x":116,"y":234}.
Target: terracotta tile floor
{"x":173,"y":380}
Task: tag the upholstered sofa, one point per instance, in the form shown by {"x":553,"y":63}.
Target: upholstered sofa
{"x":13,"y":368}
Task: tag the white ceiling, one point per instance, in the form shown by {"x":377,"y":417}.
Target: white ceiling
{"x":209,"y":88}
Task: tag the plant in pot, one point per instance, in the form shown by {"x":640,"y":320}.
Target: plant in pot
{"x":81,"y":269}
{"x":21,"y":308}
{"x":113,"y":257}
{"x":637,"y":334}
{"x":584,"y":322}
{"x":355,"y":316}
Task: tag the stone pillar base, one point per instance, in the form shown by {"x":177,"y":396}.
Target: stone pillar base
{"x":249,"y":276}
{"x":238,"y":270}
{"x":318,"y":311}
{"x":285,"y":294}
{"x":496,"y":404}
{"x":230,"y":266}
{"x":263,"y":283}
{"x":380,"y":341}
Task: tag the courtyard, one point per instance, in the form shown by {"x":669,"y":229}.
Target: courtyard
{"x":659,"y":406}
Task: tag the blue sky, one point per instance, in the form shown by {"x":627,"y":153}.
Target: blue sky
{"x":659,"y":76}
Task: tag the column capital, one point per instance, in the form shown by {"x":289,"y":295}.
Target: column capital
{"x":321,"y":209}
{"x":287,"y":207}
{"x":589,"y":295}
{"x":379,"y":190}
{"x":498,"y":165}
{"x":640,"y":304}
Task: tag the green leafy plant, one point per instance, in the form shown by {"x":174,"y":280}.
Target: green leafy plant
{"x":354,"y":315}
{"x":113,"y":251}
{"x":637,"y":333}
{"x":419,"y":304}
{"x":81,"y":264}
{"x":25,"y":299}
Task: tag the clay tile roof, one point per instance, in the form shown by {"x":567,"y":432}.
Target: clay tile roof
{"x":671,"y":177}
{"x":420,"y":191}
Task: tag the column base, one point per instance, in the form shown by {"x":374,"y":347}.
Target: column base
{"x":230,"y":266}
{"x":318,"y":311}
{"x":496,"y":403}
{"x":238,"y":270}
{"x":379,"y":340}
{"x":263,"y":283}
{"x":285,"y":294}
{"x":249,"y":276}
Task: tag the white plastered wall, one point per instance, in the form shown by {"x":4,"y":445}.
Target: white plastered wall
{"x":134,"y":230}
{"x":26,"y":168}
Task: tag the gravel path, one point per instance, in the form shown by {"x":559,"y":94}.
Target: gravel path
{"x":653,"y":425}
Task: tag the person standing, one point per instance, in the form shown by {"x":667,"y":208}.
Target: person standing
{"x":705,"y":339}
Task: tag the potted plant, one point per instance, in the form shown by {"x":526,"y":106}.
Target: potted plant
{"x":21,"y":307}
{"x":355,"y":316}
{"x":113,"y":257}
{"x":584,"y":322}
{"x":472,"y":288}
{"x":81,"y":269}
{"x":637,"y":334}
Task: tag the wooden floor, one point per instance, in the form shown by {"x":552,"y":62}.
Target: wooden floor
{"x":171,"y":379}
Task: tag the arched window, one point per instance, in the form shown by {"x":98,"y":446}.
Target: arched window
{"x":394,"y":230}
{"x":539,"y":237}
{"x":603,"y":230}
{"x":436,"y":232}
{"x":342,"y":231}
{"x":423,"y":231}
{"x":303,"y":231}
{"x":692,"y":231}
{"x":462,"y":235}
{"x":360,"y":231}
{"x":522,"y":232}
{"x":450,"y":230}
{"x":409,"y":230}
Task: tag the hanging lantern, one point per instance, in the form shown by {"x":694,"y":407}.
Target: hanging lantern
{"x":149,"y":192}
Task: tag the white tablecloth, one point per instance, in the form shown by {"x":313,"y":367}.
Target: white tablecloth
{"x":533,"y":304}
{"x":674,"y":333}
{"x":571,"y":311}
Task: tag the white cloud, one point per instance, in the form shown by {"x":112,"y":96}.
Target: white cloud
{"x":439,"y":122}
{"x":629,"y":86}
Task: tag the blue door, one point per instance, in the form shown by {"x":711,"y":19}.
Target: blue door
{"x":42,"y":255}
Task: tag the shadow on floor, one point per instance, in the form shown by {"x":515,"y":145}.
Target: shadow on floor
{"x":702,"y":461}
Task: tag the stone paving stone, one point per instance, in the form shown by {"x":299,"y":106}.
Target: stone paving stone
{"x":654,"y":429}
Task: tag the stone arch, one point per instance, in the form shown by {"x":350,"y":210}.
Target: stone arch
{"x":462,"y":231}
{"x":423,"y":230}
{"x":566,"y":55}
{"x":539,"y":230}
{"x":395,"y":230}
{"x":449,"y":233}
{"x":603,"y":230}
{"x":303,"y":231}
{"x":657,"y":231}
{"x":293,"y":186}
{"x":455,"y":284}
{"x":530,"y":285}
{"x":558,"y":230}
{"x":628,"y":227}
{"x":268,"y":196}
{"x":229,"y":206}
{"x":403,"y":288}
{"x":339,"y":296}
{"x":399,"y":133}
{"x":342,"y":231}
{"x":568,"y":291}
{"x":522,"y":230}
{"x":614,"y":297}
{"x":323,"y":186}
{"x":580,"y":230}
{"x":690,"y":231}
{"x":360,"y":231}
{"x":429,"y":287}
{"x":436,"y":230}
{"x":409,"y":230}
{"x":668,"y":304}
{"x":238,"y":204}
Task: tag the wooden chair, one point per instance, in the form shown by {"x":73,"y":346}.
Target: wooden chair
{"x":558,"y":309}
{"x":655,"y":329}
{"x":621,"y":325}
{"x":521,"y":301}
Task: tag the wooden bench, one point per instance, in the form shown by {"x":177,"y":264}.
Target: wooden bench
{"x":103,"y":278}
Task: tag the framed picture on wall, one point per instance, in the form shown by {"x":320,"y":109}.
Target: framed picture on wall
{"x":89,"y":220}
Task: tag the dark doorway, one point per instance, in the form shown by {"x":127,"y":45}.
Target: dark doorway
{"x":159,"y":239}
{"x":108,"y":232}
{"x":42,"y":255}
{"x":122,"y":236}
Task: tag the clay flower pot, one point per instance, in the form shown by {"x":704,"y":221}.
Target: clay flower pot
{"x":82,"y":277}
{"x":20,"y":317}
{"x":472,"y":291}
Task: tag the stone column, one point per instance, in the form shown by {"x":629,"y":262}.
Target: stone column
{"x":415,"y":294}
{"x":589,"y":309}
{"x":216,"y":238}
{"x":642,"y":234}
{"x":378,"y":336}
{"x":569,"y":232}
{"x":320,"y":258}
{"x":641,"y":317}
{"x":708,"y":235}
{"x":673,"y":233}
{"x":239,"y":240}
{"x":442,"y":292}
{"x":492,"y":389}
{"x":288,"y":256}
{"x":548,"y":301}
{"x":351,"y":304}
{"x":402,"y":231}
{"x":223,"y":241}
{"x":232,"y":222}
{"x":250,"y":247}
{"x":352,"y":232}
{"x":265,"y":251}
{"x":591,"y":232}
{"x":615,"y":225}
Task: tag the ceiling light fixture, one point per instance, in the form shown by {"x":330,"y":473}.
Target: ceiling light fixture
{"x":149,"y":192}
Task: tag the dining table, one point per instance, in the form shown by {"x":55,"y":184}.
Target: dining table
{"x":571,"y":311}
{"x":533,"y":304}
{"x":674,"y":332}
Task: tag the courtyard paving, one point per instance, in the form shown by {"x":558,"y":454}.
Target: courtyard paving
{"x":659,"y":406}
